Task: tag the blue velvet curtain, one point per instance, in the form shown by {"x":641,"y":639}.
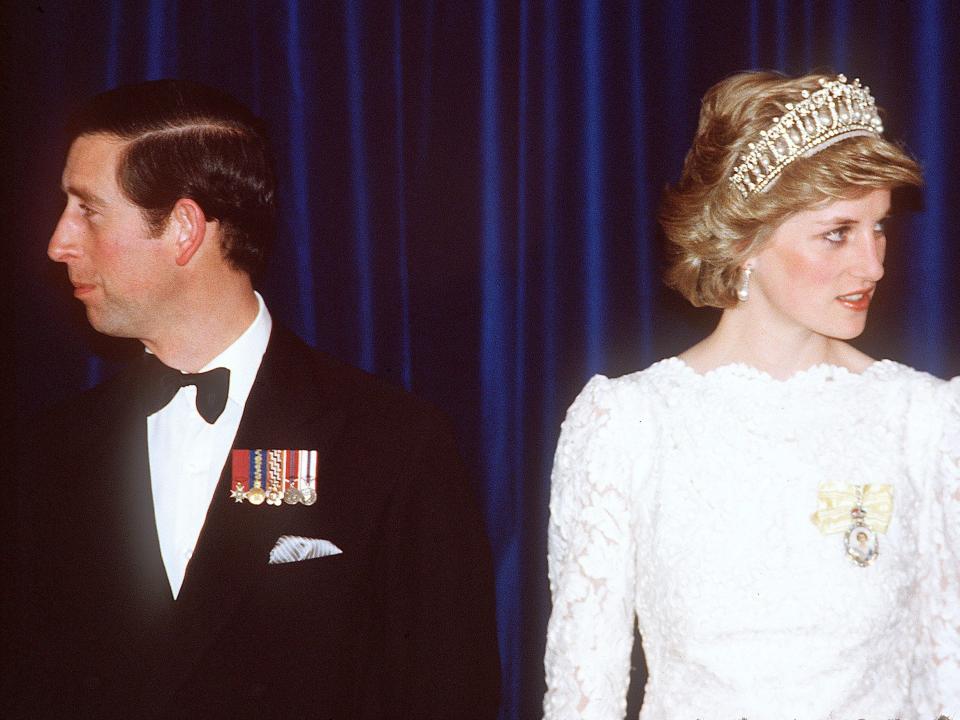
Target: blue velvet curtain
{"x":468,"y":192}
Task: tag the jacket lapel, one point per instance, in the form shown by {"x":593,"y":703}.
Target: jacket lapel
{"x":120,"y":545}
{"x":147,"y":574}
{"x":289,"y":407}
{"x":119,"y":468}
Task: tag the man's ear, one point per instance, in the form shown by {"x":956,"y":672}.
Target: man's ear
{"x":189,"y":224}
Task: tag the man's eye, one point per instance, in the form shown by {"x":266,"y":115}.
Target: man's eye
{"x":85,"y":210}
{"x":879,"y":227}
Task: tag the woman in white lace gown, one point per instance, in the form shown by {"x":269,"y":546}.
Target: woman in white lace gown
{"x":780,"y":512}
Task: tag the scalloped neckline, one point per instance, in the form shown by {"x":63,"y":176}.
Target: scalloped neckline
{"x":822,"y":370}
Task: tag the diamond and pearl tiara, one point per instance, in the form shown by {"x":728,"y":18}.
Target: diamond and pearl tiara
{"x":836,"y":111}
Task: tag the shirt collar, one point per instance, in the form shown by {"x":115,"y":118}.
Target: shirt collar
{"x":242,"y":357}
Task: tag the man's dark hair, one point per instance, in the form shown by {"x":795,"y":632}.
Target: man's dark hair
{"x":188,"y":140}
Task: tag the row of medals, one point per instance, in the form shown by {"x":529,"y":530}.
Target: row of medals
{"x":273,"y":496}
{"x":275,"y":492}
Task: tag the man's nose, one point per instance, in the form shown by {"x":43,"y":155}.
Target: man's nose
{"x":63,"y":241}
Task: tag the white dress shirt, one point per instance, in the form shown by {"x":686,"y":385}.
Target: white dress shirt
{"x":187,"y":454}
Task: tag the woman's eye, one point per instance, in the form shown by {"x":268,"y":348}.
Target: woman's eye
{"x":836,"y":236}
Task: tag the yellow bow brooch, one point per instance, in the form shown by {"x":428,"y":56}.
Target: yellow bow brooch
{"x":858,"y":511}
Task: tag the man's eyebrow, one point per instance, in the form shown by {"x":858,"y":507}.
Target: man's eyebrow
{"x":83,"y":194}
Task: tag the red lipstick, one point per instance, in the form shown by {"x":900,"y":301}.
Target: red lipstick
{"x":857,"y":301}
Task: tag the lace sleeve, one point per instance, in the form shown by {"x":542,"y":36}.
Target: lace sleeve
{"x":941,"y":689}
{"x":591,"y":564}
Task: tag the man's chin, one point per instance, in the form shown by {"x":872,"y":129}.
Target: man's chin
{"x":106,"y":325}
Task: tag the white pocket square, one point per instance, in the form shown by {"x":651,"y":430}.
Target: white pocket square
{"x":293,"y":548}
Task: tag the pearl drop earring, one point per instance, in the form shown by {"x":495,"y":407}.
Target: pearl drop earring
{"x":743,"y":292}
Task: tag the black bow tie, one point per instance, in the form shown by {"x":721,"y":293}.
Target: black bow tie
{"x":161,"y":383}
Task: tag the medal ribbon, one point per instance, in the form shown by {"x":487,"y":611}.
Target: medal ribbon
{"x":258,"y":468}
{"x":240,"y":470}
{"x":836,"y":501}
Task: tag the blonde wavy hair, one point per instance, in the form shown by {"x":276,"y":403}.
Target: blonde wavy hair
{"x":712,"y":228}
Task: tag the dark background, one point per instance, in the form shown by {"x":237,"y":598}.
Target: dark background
{"x":468,"y":192}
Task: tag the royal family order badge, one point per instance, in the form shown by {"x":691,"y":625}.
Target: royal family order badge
{"x":860,"y":512}
{"x":859,"y":540}
{"x":274,"y":477}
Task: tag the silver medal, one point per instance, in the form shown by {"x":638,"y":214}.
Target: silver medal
{"x":308,"y":496}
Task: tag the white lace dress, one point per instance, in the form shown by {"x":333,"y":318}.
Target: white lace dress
{"x":686,"y":499}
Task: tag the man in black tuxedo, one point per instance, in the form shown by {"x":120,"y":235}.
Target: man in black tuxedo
{"x":234,"y":526}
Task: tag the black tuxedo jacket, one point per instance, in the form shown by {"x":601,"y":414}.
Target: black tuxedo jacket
{"x":400,"y":625}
